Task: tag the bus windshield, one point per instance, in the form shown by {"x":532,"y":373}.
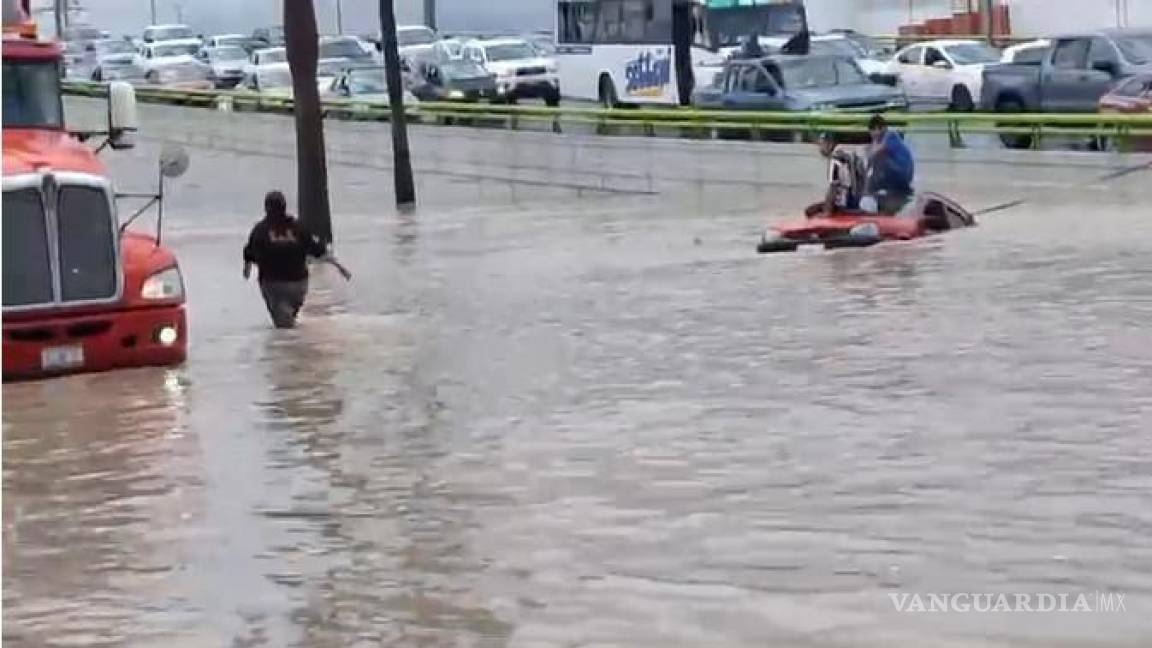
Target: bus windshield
{"x":32,"y":95}
{"x":731,"y":25}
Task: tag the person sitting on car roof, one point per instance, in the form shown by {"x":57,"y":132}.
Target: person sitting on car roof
{"x":847,"y":174}
{"x":891,"y":168}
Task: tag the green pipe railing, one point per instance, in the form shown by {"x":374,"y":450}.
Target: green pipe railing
{"x":686,"y":121}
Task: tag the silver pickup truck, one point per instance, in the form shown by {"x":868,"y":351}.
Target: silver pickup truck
{"x":1070,"y":77}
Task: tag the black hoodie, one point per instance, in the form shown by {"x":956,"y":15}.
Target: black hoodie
{"x":281,"y":251}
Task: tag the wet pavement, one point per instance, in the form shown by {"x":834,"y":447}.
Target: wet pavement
{"x":564,"y":404}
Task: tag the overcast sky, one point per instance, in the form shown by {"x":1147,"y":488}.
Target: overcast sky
{"x":360,"y":16}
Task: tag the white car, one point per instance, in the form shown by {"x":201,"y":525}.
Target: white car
{"x":273,"y":79}
{"x":162,"y":53}
{"x":363,"y":84}
{"x":414,"y":41}
{"x":1030,"y":52}
{"x":842,"y":45}
{"x":263,"y":57}
{"x":226,"y":40}
{"x":944,"y":72}
{"x":158,"y":33}
{"x":519,"y":70}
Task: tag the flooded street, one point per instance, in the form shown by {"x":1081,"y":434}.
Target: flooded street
{"x":564,"y":403}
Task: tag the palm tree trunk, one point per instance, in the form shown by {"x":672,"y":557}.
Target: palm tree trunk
{"x":303,"y":46}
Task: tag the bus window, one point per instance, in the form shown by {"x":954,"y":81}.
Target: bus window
{"x":577,"y":21}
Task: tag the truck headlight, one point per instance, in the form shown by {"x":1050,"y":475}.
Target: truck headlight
{"x":166,"y":284}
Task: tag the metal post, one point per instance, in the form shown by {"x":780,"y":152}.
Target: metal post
{"x":58,"y":16}
{"x":402,"y":159}
{"x":152,"y":6}
{"x":430,"y":13}
{"x":988,"y":9}
{"x":339,"y":18}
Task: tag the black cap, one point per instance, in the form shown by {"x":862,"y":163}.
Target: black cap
{"x":877,"y":122}
{"x":826,"y":136}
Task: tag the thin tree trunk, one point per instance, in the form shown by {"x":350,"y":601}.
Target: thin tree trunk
{"x":401,"y":157}
{"x":311,"y":161}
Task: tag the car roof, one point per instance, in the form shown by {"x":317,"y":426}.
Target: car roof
{"x":945,"y":42}
{"x":484,"y":42}
{"x":167,"y":26}
{"x":229,"y":36}
{"x":174,"y":41}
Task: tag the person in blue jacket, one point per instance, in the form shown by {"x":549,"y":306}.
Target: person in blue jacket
{"x":891,"y":168}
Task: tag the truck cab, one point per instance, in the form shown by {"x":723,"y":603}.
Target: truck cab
{"x":80,"y":292}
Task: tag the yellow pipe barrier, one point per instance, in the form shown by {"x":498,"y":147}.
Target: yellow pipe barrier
{"x":956,"y":125}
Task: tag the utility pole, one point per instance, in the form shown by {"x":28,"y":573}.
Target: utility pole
{"x":152,"y":6}
{"x":58,"y":11}
{"x":339,"y":18}
{"x":402,"y":159}
{"x":430,"y":13}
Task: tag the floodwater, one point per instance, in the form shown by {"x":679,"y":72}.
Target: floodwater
{"x":583,"y":412}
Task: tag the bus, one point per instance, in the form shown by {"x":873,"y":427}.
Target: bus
{"x":626,"y":52}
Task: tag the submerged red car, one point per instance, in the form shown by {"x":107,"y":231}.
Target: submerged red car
{"x":926,"y":214}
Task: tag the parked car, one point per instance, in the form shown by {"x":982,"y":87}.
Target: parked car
{"x":1132,"y":96}
{"x":157,"y":33}
{"x":160,"y":53}
{"x":1029,"y":52}
{"x":224,"y":40}
{"x":227,"y":64}
{"x":456,"y":80}
{"x":944,"y":72}
{"x":367,"y":84}
{"x":413,"y":39}
{"x":184,"y":73}
{"x":785,"y":82}
{"x":449,"y":48}
{"x":345,"y":47}
{"x":274,"y":79}
{"x":1071,"y":76}
{"x":117,"y":60}
{"x":870,"y":63}
{"x":264,"y":57}
{"x":269,"y":36}
{"x":519,"y":70}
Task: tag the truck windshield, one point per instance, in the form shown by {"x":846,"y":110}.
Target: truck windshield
{"x":32,"y":95}
{"x":1137,"y":49}
{"x":819,"y":72}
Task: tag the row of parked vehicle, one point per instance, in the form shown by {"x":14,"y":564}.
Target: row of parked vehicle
{"x":435,"y":68}
{"x":1107,"y":70}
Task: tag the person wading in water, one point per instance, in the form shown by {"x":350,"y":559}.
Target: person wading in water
{"x":280,"y":246}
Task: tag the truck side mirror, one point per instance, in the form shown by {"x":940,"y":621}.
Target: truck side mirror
{"x":122,"y":117}
{"x":1108,"y":67}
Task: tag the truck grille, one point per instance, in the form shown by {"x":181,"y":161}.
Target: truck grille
{"x":59,"y":248}
{"x":531,"y":71}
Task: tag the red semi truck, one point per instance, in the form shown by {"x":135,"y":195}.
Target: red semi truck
{"x":80,"y":291}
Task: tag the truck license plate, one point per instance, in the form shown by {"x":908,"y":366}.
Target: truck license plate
{"x":65,"y":357}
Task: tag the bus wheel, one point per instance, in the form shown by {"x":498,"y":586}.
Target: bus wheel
{"x":608,"y":97}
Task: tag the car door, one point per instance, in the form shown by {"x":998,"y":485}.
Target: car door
{"x":1102,"y":74}
{"x":936,"y":76}
{"x":1064,"y":80}
{"x":909,"y":68}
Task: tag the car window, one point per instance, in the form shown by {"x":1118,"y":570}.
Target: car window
{"x":1071,"y":55}
{"x":1101,"y":51}
{"x":933,"y":56}
{"x":510,"y":52}
{"x":911,"y":56}
{"x":1136,"y":49}
{"x":972,"y":53}
{"x":731,"y":81}
{"x":755,"y":80}
{"x":1135,"y":87}
{"x":1030,"y":55}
